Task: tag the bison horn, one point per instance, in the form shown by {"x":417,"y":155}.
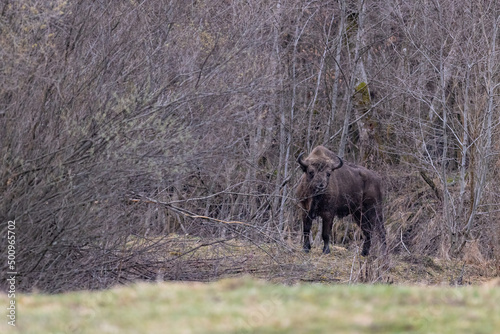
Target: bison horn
{"x":301,"y":162}
{"x":341,"y":163}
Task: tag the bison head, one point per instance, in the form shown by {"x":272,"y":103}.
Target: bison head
{"x":318,"y":171}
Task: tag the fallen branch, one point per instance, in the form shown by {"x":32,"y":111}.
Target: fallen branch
{"x":431,"y":184}
{"x":184,"y":211}
{"x":187,"y":213}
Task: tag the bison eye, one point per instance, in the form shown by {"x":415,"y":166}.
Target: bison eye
{"x":310,"y":173}
{"x":328,"y":174}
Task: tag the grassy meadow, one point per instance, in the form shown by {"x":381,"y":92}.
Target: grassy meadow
{"x":248,"y":305}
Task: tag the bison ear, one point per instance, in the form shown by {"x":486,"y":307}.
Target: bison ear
{"x":301,"y":162}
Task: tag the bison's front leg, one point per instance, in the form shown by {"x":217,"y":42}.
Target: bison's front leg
{"x":326,"y":232}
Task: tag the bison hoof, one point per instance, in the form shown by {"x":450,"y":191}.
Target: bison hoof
{"x":326,"y":251}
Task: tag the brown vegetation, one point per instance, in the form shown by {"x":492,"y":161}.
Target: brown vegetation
{"x":124,"y":122}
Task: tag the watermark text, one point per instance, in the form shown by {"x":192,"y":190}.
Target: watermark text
{"x":11,"y":272}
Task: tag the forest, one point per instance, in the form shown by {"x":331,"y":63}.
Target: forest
{"x":158,"y":140}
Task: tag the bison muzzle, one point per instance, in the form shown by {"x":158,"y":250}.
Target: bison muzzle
{"x":329,"y":188}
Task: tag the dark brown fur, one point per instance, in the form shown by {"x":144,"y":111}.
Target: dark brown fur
{"x":328,"y":189}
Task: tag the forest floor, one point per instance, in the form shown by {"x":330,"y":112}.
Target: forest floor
{"x":195,"y":259}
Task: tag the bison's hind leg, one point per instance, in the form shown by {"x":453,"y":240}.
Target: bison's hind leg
{"x":364,"y":221}
{"x":307,"y":246}
{"x":371,"y":221}
{"x":306,"y":225}
{"x":367,"y":241}
{"x":381,"y":234}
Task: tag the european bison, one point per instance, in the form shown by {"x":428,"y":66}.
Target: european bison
{"x":329,"y":187}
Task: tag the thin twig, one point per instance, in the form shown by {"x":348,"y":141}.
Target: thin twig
{"x":402,"y":243}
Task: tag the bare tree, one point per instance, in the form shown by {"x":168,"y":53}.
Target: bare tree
{"x":127,"y":122}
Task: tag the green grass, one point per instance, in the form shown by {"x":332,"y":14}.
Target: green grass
{"x":246,"y":305}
